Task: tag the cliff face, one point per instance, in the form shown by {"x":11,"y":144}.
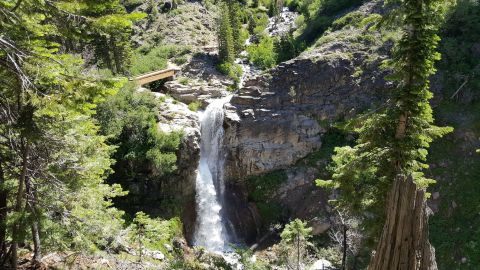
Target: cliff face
{"x":280,"y":117}
{"x":277,"y":118}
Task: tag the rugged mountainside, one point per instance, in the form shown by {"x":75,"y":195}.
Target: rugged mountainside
{"x":280,"y":117}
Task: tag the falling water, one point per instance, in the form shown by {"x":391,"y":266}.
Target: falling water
{"x":210,"y":230}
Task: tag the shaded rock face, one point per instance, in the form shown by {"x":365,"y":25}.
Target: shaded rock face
{"x":278,"y":118}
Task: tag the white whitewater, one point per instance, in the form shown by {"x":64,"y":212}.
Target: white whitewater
{"x":210,"y":230}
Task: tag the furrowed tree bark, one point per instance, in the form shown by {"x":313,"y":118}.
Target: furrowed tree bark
{"x":404,"y":243}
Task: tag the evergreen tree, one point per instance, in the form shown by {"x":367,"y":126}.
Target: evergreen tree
{"x":236,"y":25}
{"x":226,"y":50}
{"x":52,"y":160}
{"x":393,"y":144}
{"x":104,"y":26}
{"x":273,"y":9}
{"x":294,"y":244}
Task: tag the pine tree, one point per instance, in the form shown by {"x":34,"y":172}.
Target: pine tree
{"x":52,"y":160}
{"x":273,"y":9}
{"x":294,"y":243}
{"x":236,"y":25}
{"x":226,"y":52}
{"x":393,"y":144}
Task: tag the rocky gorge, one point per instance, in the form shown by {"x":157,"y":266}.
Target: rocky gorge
{"x":280,"y":117}
{"x":281,"y":125}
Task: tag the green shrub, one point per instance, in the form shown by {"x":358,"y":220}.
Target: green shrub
{"x":195,"y":105}
{"x":184,"y":80}
{"x":233,"y":71}
{"x":351,"y":19}
{"x":246,"y":260}
{"x":154,"y":60}
{"x":263,"y":54}
{"x":153,"y":233}
{"x":287,"y":47}
{"x":293,"y":5}
{"x":258,"y":23}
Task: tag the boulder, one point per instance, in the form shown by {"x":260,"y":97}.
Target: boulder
{"x":321,"y":264}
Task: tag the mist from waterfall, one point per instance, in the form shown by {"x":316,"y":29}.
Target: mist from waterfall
{"x":210,"y":230}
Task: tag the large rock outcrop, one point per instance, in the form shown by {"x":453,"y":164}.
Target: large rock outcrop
{"x":280,"y":117}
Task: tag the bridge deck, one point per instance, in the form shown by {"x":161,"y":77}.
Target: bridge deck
{"x":155,"y":76}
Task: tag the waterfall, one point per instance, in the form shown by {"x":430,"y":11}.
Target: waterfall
{"x":210,"y":230}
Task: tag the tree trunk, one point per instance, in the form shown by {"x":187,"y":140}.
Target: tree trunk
{"x":3,"y":214}
{"x":117,"y":56}
{"x":401,"y":127}
{"x":298,"y":252}
{"x":37,"y":250}
{"x":404,"y":243}
{"x":18,"y":202}
{"x":344,"y":258}
{"x":31,"y":204}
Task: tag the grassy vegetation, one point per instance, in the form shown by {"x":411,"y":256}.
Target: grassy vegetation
{"x":234,"y":71}
{"x":195,"y":105}
{"x":454,"y":230}
{"x":184,"y":80}
{"x":145,"y":60}
{"x":318,"y":16}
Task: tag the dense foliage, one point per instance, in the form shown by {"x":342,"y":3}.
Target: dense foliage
{"x":143,"y":153}
{"x":263,"y":54}
{"x":52,"y":160}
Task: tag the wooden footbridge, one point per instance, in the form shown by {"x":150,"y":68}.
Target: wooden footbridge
{"x":155,"y":76}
